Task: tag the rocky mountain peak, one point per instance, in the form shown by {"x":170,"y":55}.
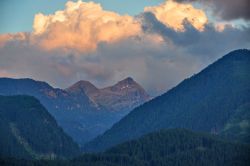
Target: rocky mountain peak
{"x":83,"y":87}
{"x":127,"y":81}
{"x":124,"y":95}
{"x":125,"y":85}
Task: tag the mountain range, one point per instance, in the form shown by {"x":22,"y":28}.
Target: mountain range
{"x":209,"y":101}
{"x":204,"y":120}
{"x":82,"y":110}
{"x":123,"y":96}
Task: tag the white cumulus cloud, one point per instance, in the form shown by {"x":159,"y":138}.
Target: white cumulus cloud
{"x":174,"y":14}
{"x":82,"y":26}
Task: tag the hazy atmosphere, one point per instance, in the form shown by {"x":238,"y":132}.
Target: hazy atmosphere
{"x":124,"y":83}
{"x":62,"y":42}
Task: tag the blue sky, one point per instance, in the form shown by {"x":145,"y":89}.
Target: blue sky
{"x":17,"y":15}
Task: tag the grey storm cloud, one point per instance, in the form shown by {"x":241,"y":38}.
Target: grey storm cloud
{"x":207,"y":43}
{"x":227,"y":9}
{"x":157,"y":68}
{"x":57,"y":68}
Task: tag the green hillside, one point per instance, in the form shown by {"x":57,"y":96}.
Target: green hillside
{"x":27,"y":130}
{"x":238,"y":127}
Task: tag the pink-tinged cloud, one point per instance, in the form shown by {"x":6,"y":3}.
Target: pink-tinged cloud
{"x":4,"y":73}
{"x":174,"y":14}
{"x":21,"y":36}
{"x":81,"y":26}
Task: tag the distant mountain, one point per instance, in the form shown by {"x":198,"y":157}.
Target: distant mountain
{"x":176,"y":147}
{"x":205,"y":102}
{"x":76,"y":111}
{"x":27,"y":130}
{"x":53,"y":98}
{"x":70,"y":111}
{"x":123,"y":96}
{"x":83,"y":87}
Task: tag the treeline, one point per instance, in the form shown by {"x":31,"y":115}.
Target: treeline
{"x":176,"y":147}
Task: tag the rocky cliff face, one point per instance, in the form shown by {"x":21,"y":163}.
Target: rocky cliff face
{"x":123,"y":96}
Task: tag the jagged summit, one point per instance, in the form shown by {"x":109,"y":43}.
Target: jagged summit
{"x":125,"y":85}
{"x":124,"y":95}
{"x":127,"y":80}
{"x":83,"y":87}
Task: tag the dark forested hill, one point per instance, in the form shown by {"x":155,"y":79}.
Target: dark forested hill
{"x":204,"y":102}
{"x":176,"y":147}
{"x":27,"y":130}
